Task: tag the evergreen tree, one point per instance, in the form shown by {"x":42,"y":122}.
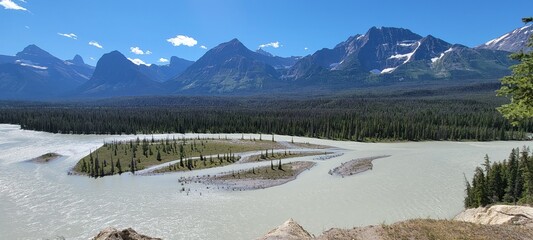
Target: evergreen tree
{"x":519,"y":86}
{"x":469,"y":199}
{"x":96,"y":170}
{"x":527,"y":176}
{"x":158,"y":156}
{"x":112,"y":166}
{"x":496,"y":183}
{"x":479,"y":188}
{"x":512,"y":178}
{"x":189,"y":164}
{"x":119,"y":167}
{"x":132,"y":166}
{"x":84,"y":166}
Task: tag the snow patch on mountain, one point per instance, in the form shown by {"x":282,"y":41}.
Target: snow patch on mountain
{"x":400,"y":56}
{"x":441,"y":55}
{"x":33,"y":66}
{"x":388,"y":70}
{"x":406,"y":55}
{"x":27,"y":63}
{"x":496,"y":40}
{"x":406,"y":43}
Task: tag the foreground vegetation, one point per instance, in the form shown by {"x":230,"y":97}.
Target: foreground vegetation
{"x":428,"y":229}
{"x":510,"y":181}
{"x":130,"y":156}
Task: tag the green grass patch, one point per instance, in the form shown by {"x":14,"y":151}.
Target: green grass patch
{"x":275,"y":171}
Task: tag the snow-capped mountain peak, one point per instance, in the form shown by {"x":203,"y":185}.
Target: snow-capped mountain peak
{"x":513,"y":41}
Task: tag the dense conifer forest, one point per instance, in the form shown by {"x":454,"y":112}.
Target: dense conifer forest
{"x":510,"y":181}
{"x":368,"y":118}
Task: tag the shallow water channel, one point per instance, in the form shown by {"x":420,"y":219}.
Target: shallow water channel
{"x":40,"y":201}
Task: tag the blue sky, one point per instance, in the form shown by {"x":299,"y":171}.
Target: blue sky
{"x":299,"y":27}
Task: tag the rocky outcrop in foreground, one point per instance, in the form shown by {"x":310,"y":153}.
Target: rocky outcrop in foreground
{"x":288,"y":230}
{"x":125,"y":234}
{"x":492,"y":223}
{"x":498,"y":214}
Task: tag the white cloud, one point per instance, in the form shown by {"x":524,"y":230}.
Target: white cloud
{"x":92,"y":58}
{"x":305,"y":48}
{"x":203,"y":47}
{"x":24,"y":1}
{"x":27,"y":27}
{"x":8,"y":4}
{"x":138,"y":51}
{"x":96,"y":44}
{"x":182,"y":40}
{"x":163,"y":60}
{"x":272,"y":44}
{"x":69,"y":35}
{"x":138,"y":61}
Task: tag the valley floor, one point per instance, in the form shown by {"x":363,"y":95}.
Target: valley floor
{"x":42,"y":201}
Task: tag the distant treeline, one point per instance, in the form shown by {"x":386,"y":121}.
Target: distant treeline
{"x":510,"y":181}
{"x":347,"y":118}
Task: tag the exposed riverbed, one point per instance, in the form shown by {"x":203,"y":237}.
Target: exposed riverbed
{"x":419,"y":179}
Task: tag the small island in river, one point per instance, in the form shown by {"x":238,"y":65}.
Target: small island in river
{"x":45,"y":158}
{"x":355,"y":166}
{"x":149,"y":156}
{"x":256,"y":178}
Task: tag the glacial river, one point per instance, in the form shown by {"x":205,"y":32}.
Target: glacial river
{"x":40,"y":201}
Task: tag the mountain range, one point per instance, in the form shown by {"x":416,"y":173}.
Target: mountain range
{"x":396,"y":54}
{"x":382,"y":55}
{"x":35,"y":73}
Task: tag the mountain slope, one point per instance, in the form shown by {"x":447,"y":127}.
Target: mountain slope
{"x":378,"y":49}
{"x":229,"y":67}
{"x":79,"y":66}
{"x":161,"y":73}
{"x":115,"y":75}
{"x":276,"y":61}
{"x":35,"y":74}
{"x":513,"y":41}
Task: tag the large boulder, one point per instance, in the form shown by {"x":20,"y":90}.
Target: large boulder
{"x":287,"y":231}
{"x":125,"y":234}
{"x":498,"y":214}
